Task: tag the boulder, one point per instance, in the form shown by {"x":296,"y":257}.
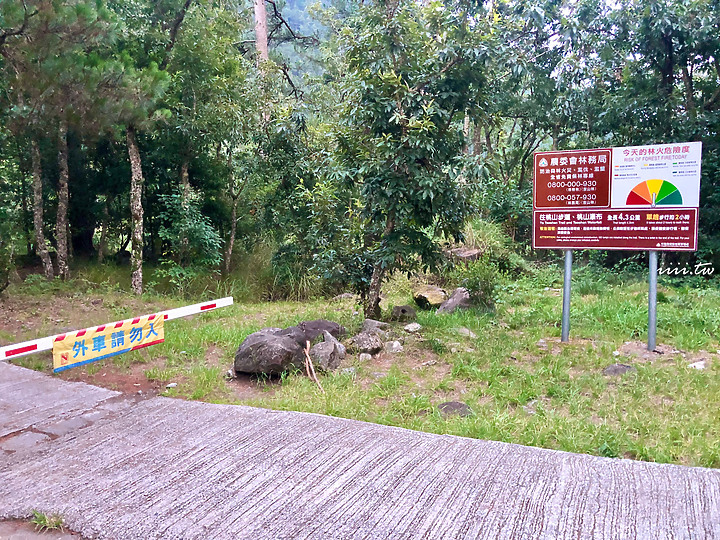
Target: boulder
{"x":365,"y":357}
{"x":429,"y":296}
{"x":365,"y":342}
{"x":403,"y":313}
{"x":459,"y":299}
{"x":313,"y":329}
{"x":412,"y":328}
{"x":328,"y":354}
{"x":466,"y":254}
{"x":269,"y":351}
{"x":450,"y":408}
{"x":371,"y":326}
{"x":465,"y":332}
{"x":393,"y":347}
{"x":619,"y":369}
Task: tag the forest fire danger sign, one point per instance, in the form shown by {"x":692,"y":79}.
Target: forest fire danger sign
{"x":635,"y":198}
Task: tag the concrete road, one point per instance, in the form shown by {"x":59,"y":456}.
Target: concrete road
{"x":122,"y":468}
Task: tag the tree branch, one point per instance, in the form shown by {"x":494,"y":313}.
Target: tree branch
{"x":307,"y":40}
{"x":174,"y":29}
{"x":295,"y":91}
{"x":708,"y":104}
{"x":19,"y":31}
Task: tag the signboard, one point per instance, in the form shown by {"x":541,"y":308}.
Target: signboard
{"x":634,"y":198}
{"x":93,"y":344}
{"x":572,"y":179}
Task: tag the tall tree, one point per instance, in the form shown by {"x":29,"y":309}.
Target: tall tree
{"x":261,"y":33}
{"x":150,"y":63}
{"x":413,"y":71}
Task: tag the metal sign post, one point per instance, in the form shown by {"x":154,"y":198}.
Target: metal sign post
{"x":566,"y":297}
{"x":652,"y":301}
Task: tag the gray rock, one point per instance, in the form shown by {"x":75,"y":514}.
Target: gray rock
{"x":701,"y":364}
{"x":365,"y":342}
{"x":459,"y":299}
{"x":530,"y":407}
{"x":465,"y":332}
{"x":316,"y":328}
{"x":171,"y":385}
{"x":412,"y":328}
{"x":404,"y":313}
{"x":328,"y":354}
{"x":429,"y":296}
{"x":365,"y":357}
{"x":619,"y":369}
{"x":458,"y":408}
{"x":371,"y":326}
{"x":466,"y":254}
{"x":311,"y":330}
{"x":393,"y":347}
{"x":271,"y":351}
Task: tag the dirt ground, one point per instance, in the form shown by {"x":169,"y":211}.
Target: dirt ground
{"x":23,"y":530}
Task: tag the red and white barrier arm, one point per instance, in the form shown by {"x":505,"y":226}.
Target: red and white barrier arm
{"x":46,"y":344}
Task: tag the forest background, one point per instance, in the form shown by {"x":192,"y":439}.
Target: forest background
{"x":301,"y":149}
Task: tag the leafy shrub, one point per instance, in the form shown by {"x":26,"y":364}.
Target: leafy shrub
{"x":481,"y":278}
{"x":9,"y":227}
{"x":495,"y":244}
{"x":191,"y":245}
{"x":189,"y":239}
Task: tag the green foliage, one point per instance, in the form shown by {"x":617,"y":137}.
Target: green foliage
{"x":47,"y":522}
{"x":481,"y":278}
{"x":188,"y":236}
{"x":354,"y":154}
{"x":495,"y":245}
{"x":9,"y":225}
{"x":191,"y":244}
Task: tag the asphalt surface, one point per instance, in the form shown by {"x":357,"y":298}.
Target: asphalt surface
{"x":120,"y":467}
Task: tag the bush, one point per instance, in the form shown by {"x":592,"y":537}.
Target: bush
{"x":495,"y":244}
{"x":481,"y":278}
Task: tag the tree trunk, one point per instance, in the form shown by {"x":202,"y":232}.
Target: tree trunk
{"x":477,"y":140}
{"x":467,"y":143}
{"x":136,"y":211}
{"x":235,"y":196}
{"x":26,"y":215}
{"x":233,"y":230}
{"x":185,"y":185}
{"x":689,"y":92}
{"x":102,"y":246}
{"x":61,"y":223}
{"x":372,"y":302}
{"x":41,"y":247}
{"x":261,"y":37}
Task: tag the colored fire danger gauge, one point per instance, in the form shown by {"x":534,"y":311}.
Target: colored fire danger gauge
{"x":656,"y":191}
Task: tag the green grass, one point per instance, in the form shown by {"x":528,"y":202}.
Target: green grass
{"x":553,"y":396}
{"x":47,"y":522}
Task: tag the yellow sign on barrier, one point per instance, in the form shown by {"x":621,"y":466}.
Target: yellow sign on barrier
{"x":93,"y":344}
